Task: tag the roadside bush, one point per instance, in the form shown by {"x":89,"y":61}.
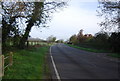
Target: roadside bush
{"x":114,"y":41}
{"x":101,"y":40}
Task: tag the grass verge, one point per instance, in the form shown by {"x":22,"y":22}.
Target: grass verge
{"x":88,"y":49}
{"x":27,"y":64}
{"x":116,"y":55}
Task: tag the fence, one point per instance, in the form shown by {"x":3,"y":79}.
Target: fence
{"x":6,"y":64}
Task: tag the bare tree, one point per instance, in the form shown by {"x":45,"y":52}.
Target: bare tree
{"x":110,"y":12}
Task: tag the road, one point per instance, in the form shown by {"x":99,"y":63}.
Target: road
{"x":72,"y":63}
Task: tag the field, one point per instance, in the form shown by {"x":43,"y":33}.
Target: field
{"x":28,"y":64}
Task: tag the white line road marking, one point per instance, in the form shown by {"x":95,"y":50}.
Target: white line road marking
{"x":56,"y":71}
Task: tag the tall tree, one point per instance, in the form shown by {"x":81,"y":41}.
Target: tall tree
{"x":51,"y":38}
{"x":36,"y":14}
{"x":41,"y":14}
{"x":80,"y":36}
{"x":31,"y":14}
{"x":73,"y":39}
{"x":11,"y":13}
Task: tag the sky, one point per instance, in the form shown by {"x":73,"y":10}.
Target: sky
{"x":67,"y":22}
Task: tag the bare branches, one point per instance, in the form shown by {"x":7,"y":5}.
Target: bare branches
{"x":110,"y":12}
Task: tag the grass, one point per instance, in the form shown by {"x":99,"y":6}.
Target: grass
{"x":116,"y":55}
{"x":87,"y":49}
{"x":27,"y":64}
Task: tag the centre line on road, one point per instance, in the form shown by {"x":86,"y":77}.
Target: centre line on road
{"x":53,"y":62}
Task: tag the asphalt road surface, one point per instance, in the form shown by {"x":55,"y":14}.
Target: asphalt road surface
{"x":72,"y":63}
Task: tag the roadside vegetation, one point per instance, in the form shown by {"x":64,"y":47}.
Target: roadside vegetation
{"x":28,"y":64}
{"x":18,"y":19}
{"x":108,"y":39}
{"x":101,"y":42}
{"x":116,"y":55}
{"x":88,"y":49}
{"x":16,"y":26}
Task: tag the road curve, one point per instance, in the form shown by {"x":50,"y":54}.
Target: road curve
{"x":72,"y":63}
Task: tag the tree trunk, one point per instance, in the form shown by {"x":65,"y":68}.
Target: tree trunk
{"x":26,"y":35}
{"x":36,"y":13}
{"x":5,"y":33}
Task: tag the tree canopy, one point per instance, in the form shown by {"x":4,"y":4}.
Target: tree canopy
{"x":18,"y":18}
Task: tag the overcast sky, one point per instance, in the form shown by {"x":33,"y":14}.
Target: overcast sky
{"x":78,"y":15}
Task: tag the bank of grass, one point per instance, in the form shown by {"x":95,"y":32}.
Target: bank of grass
{"x":116,"y":55}
{"x":88,"y":49}
{"x":27,"y":64}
